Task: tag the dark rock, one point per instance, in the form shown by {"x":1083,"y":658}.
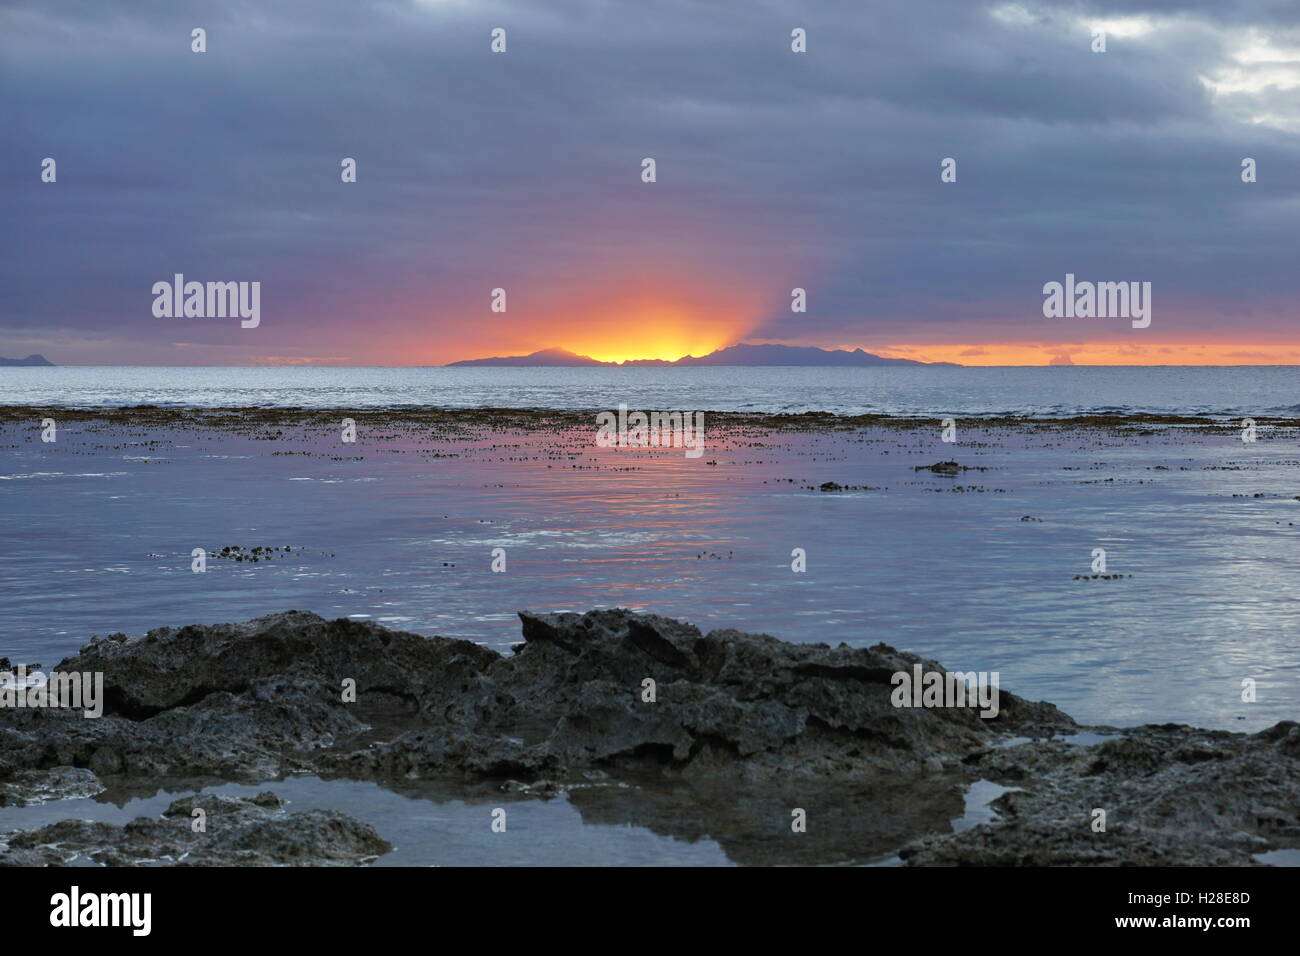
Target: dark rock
{"x":236,"y":831}
{"x":742,"y":729}
{"x":942,"y":468}
{"x":1173,"y":796}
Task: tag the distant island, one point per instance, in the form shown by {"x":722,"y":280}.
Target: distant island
{"x":30,"y":360}
{"x":732,"y":355}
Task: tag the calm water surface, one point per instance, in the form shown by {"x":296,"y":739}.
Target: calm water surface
{"x":938,"y":392}
{"x":98,"y":529}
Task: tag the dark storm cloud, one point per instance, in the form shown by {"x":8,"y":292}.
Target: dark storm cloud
{"x":480,"y":170}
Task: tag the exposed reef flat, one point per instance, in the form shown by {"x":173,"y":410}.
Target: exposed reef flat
{"x":743,"y":729}
{"x":246,"y":419}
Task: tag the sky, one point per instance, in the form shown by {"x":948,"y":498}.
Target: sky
{"x":522,"y":170}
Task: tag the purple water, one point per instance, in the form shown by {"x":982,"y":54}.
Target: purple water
{"x":98,"y":530}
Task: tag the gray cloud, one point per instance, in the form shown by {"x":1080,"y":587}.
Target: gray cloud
{"x":480,"y":170}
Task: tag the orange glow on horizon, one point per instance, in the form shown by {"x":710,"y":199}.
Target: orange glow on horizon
{"x":1100,"y":353}
{"x":653,"y":332}
{"x":668,"y":334}
{"x":621,"y":319}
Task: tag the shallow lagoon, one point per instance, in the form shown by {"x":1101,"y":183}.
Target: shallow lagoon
{"x":400,"y":527}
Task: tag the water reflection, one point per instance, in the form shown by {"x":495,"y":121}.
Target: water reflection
{"x":400,"y":527}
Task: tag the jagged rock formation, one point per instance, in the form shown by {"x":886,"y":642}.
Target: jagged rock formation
{"x":245,"y":832}
{"x":742,"y":728}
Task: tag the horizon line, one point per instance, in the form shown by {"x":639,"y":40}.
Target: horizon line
{"x":621,"y":365}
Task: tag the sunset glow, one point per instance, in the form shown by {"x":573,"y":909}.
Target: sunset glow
{"x":624,"y":316}
{"x":669,"y":333}
{"x":653,"y":332}
{"x":1101,"y":353}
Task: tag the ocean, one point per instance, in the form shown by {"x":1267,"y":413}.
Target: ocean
{"x":979,"y":571}
{"x":1233,"y":391}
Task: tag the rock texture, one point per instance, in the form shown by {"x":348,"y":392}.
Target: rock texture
{"x":1172,"y":795}
{"x":237,"y":831}
{"x":742,"y":728}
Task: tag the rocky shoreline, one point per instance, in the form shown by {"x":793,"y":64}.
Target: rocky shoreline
{"x":742,"y":730}
{"x":262,"y":422}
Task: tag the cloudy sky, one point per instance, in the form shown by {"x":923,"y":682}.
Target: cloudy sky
{"x":522,"y":170}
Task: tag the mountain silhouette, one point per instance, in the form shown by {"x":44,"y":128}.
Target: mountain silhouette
{"x":743,"y":354}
